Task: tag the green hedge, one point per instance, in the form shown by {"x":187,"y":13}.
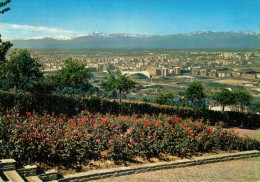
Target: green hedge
{"x":54,"y":104}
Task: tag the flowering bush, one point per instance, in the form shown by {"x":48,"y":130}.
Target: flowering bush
{"x":63,"y":141}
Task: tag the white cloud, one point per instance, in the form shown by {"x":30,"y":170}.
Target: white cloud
{"x":15,"y":31}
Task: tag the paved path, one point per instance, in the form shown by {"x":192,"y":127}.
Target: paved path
{"x":243,"y":170}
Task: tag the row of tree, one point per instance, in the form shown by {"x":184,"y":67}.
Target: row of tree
{"x":196,"y":92}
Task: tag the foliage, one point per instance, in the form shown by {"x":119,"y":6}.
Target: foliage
{"x":225,"y":97}
{"x":118,"y":81}
{"x":4,"y":47}
{"x":195,"y":91}
{"x":242,"y":98}
{"x":69,"y":142}
{"x":72,"y":74}
{"x":22,"y":70}
{"x":2,"y":4}
{"x":167,"y":98}
{"x":61,"y":104}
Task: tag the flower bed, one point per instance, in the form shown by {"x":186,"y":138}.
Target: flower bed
{"x":70,"y":142}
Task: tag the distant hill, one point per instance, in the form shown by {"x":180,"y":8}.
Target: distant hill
{"x":197,"y":40}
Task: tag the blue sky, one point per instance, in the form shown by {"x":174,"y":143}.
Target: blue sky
{"x":35,"y":18}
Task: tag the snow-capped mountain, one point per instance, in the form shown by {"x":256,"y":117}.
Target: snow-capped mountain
{"x":200,"y":39}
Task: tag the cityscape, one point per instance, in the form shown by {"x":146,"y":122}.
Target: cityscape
{"x":134,"y":90}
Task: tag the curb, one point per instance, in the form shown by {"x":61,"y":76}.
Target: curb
{"x":106,"y":173}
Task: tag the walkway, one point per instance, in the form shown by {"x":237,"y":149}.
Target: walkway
{"x":243,"y":170}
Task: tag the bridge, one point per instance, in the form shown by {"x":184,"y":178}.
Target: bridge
{"x":145,"y":73}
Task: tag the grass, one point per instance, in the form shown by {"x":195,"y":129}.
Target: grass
{"x":255,"y":135}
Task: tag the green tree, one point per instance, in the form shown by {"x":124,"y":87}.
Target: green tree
{"x":119,"y":82}
{"x":242,"y":98}
{"x":167,"y":98}
{"x":225,"y":97}
{"x":195,"y":91}
{"x":73,"y":74}
{"x":2,"y":4}
{"x":22,"y":70}
{"x":4,"y":46}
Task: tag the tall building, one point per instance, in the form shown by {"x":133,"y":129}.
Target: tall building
{"x":164,"y":71}
{"x":177,"y":70}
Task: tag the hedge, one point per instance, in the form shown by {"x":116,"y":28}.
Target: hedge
{"x":56,"y":104}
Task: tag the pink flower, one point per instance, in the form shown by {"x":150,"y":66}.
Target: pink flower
{"x":136,"y":143}
{"x":149,"y":137}
{"x":47,"y":139}
{"x":121,"y":135}
{"x":128,"y":131}
{"x":54,"y":141}
{"x":97,"y":140}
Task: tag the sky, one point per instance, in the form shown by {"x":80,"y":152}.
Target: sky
{"x":61,"y":18}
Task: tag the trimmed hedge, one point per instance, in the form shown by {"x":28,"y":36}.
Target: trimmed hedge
{"x":55,"y":104}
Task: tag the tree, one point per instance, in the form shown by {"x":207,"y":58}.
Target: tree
{"x":119,"y":82}
{"x":4,"y":46}
{"x":167,"y":98}
{"x":73,"y":74}
{"x":195,"y":91}
{"x":242,"y":98}
{"x":2,"y":4}
{"x":225,"y":97}
{"x":22,"y":70}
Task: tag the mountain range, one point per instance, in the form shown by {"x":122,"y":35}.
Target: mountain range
{"x":196,"y":40}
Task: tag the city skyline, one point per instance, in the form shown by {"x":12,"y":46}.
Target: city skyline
{"x":43,"y":18}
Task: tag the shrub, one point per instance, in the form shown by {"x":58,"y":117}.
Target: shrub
{"x":61,"y":104}
{"x":71,"y":141}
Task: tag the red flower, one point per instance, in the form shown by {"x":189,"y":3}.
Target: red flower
{"x":157,"y":124}
{"x":144,"y":126}
{"x":28,"y":113}
{"x":187,"y":125}
{"x":97,"y":140}
{"x":171,"y":125}
{"x":146,"y":116}
{"x":90,"y":115}
{"x":9,"y":116}
{"x":147,"y":123}
{"x":209,"y":129}
{"x":169,"y":119}
{"x":91,"y":120}
{"x":112,"y":125}
{"x":178,"y":119}
{"x":196,"y":148}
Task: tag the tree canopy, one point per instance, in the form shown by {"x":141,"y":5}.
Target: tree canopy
{"x":4,"y":46}
{"x":225,"y":97}
{"x":242,"y":98}
{"x":21,"y":69}
{"x":195,"y":91}
{"x":72,"y":74}
{"x":119,"y":82}
{"x":2,"y":4}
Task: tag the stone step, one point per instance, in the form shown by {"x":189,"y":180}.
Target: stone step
{"x":13,"y":176}
{"x":1,"y":180}
{"x":33,"y":179}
